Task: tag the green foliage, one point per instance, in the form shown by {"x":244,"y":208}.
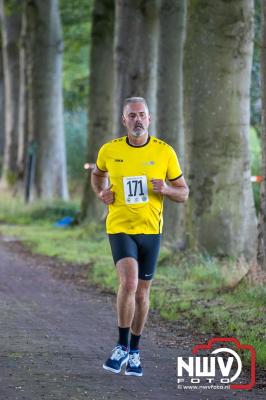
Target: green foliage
{"x":68,"y":244}
{"x":76,"y":138}
{"x":239,"y":313}
{"x":103,"y":274}
{"x":41,"y":212}
{"x":11,"y":178}
{"x":256,"y":163}
{"x":256,"y":153}
{"x":12,"y":7}
{"x":54,"y":211}
{"x":76,"y":22}
{"x":259,"y":345}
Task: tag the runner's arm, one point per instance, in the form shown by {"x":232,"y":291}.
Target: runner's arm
{"x":99,"y":184}
{"x":177,"y":191}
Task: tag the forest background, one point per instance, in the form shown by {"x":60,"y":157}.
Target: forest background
{"x":65,"y":69}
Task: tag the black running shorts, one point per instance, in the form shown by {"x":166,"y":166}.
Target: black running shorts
{"x":144,"y":248}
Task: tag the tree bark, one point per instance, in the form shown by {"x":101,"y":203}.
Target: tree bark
{"x":100,"y":96}
{"x":22,"y":132}
{"x":170,"y":124}
{"x":46,"y":114}
{"x":2,"y":109}
{"x":218,"y":59}
{"x":11,"y":29}
{"x":262,"y":212}
{"x":136,"y":33}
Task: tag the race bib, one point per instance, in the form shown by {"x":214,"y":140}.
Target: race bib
{"x":135,"y":189}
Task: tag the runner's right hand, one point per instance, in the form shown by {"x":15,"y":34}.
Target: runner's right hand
{"x":107,"y":196}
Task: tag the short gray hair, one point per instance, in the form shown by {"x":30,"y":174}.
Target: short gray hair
{"x":130,"y":100}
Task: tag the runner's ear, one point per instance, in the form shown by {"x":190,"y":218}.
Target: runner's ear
{"x":123,"y":120}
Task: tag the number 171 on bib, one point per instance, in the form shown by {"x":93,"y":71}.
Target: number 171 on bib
{"x":135,"y":189}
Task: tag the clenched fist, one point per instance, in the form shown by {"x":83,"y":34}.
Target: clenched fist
{"x":107,"y":196}
{"x":159,"y":186}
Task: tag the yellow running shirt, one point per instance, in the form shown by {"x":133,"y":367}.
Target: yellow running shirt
{"x":136,"y":208}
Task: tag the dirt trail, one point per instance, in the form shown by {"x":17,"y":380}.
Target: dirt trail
{"x":55,"y":335}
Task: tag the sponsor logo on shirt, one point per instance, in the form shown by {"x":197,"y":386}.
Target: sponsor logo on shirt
{"x":149,"y":162}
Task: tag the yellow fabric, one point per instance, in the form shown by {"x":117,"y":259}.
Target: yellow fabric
{"x":156,"y":159}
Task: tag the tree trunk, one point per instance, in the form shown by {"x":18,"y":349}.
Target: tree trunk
{"x":170,"y":126}
{"x":136,"y":33}
{"x":217,"y":70}
{"x":11,"y":29}
{"x":101,"y":95}
{"x":262,"y":213}
{"x":46,"y":99}
{"x":22,"y":140}
{"x":2,"y":110}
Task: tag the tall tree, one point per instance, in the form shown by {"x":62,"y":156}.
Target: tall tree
{"x":10,"y":11}
{"x":45,"y":102}
{"x":217,"y":70}
{"x":2,"y":111}
{"x":136,"y":33}
{"x":170,"y":126}
{"x":22,"y":131}
{"x":262,"y":212}
{"x":101,"y":93}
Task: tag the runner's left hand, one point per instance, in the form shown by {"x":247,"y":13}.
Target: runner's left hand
{"x":159,"y":186}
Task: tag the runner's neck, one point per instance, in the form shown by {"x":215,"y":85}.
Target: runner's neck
{"x":135,"y":143}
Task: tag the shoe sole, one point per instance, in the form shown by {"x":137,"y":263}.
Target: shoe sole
{"x":115,"y":371}
{"x":133,"y":373}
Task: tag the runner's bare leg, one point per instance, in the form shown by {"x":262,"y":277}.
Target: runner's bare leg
{"x":141,"y":306}
{"x":127,"y":269}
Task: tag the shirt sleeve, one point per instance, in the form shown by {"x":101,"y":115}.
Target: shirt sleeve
{"x":173,"y":171}
{"x":101,"y":160}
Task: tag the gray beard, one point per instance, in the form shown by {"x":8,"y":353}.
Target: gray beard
{"x":138,"y":133}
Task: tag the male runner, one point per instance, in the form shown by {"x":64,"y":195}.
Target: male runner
{"x":130,"y":177}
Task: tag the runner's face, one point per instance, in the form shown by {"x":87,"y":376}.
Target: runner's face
{"x":136,"y":119}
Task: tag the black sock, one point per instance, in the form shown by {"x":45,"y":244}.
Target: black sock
{"x":123,"y":336}
{"x":134,"y":342}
